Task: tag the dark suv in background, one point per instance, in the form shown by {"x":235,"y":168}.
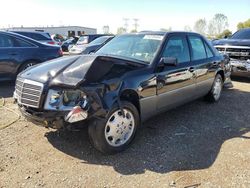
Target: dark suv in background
{"x":238,"y":49}
{"x":18,"y":52}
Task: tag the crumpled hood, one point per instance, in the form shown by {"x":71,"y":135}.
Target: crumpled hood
{"x":70,"y":71}
{"x":232,"y":42}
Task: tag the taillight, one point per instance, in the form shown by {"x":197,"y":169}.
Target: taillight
{"x":60,"y":52}
{"x":51,"y":42}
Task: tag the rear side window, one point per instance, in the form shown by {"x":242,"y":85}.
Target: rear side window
{"x":177,"y":47}
{"x":36,"y":36}
{"x":198,"y":48}
{"x":208,"y":50}
{"x":6,"y":41}
{"x":22,"y":43}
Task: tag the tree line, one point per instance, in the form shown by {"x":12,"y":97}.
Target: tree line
{"x":217,"y":27}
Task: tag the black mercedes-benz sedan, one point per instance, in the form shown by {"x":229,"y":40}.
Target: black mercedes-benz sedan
{"x":127,"y":81}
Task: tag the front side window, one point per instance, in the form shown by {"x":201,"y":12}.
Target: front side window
{"x":198,"y":48}
{"x":177,"y":47}
{"x":141,"y":47}
{"x":6,"y":41}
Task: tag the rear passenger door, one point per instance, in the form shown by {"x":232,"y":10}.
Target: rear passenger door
{"x":201,"y":60}
{"x":175,"y":84}
{"x":7,"y":57}
{"x":13,"y":52}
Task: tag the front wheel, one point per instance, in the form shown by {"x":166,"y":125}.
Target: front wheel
{"x":114,"y":134}
{"x":215,"y":92}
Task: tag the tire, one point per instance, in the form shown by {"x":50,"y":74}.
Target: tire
{"x":215,"y":93}
{"x":26,"y":65}
{"x":115,"y":133}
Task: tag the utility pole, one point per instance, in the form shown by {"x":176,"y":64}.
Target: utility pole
{"x":126,"y":24}
{"x":136,"y":25}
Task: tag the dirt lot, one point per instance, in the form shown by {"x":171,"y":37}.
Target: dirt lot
{"x":196,"y":145}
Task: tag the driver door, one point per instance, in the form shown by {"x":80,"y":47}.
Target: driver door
{"x":175,"y":83}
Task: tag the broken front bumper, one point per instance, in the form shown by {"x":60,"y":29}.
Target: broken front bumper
{"x":47,"y":119}
{"x":240,"y":67}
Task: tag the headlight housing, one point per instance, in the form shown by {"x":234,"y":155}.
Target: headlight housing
{"x":64,"y":100}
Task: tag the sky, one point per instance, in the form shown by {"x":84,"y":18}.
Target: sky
{"x":152,"y":14}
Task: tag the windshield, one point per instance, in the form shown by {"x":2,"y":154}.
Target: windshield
{"x":242,"y":34}
{"x":141,"y":47}
{"x":99,"y":40}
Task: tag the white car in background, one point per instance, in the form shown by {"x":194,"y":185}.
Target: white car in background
{"x":82,"y":43}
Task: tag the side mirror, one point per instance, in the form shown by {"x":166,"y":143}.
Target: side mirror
{"x":169,"y":61}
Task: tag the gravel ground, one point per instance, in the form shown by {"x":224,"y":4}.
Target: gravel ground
{"x":196,"y":145}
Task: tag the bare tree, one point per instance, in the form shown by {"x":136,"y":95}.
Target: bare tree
{"x":200,"y":26}
{"x":219,"y":23}
{"x":211,"y":30}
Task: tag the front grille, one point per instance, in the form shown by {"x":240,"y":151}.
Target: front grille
{"x":236,"y":53}
{"x":28,"y":92}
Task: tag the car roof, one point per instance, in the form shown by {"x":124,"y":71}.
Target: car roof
{"x":38,"y":32}
{"x":20,"y":36}
{"x":165,"y":32}
{"x":96,"y":35}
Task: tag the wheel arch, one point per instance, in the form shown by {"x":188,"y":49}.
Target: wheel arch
{"x":221,"y":72}
{"x":26,"y":61}
{"x":132,"y":96}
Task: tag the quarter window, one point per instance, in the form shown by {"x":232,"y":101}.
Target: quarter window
{"x":197,"y":48}
{"x":22,"y":43}
{"x":177,"y":47}
{"x":6,"y":41}
{"x":209,"y":52}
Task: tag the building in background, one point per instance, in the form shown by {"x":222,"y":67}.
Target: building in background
{"x":68,"y":31}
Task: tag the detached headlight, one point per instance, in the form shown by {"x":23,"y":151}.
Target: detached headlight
{"x":72,"y":97}
{"x":63,"y":100}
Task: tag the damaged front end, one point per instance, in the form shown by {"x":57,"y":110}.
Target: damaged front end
{"x":72,"y":91}
{"x":240,"y":67}
{"x":63,"y":108}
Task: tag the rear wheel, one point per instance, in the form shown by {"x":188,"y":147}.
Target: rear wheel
{"x":26,"y":65}
{"x":116,"y":132}
{"x":215,"y":92}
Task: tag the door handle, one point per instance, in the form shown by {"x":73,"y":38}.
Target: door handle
{"x":191,"y":69}
{"x":215,"y":63}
